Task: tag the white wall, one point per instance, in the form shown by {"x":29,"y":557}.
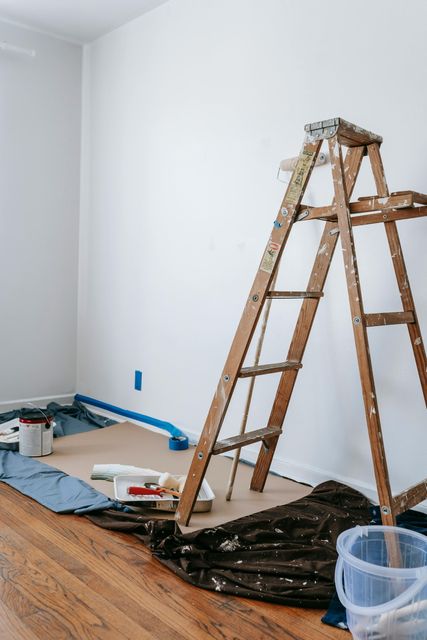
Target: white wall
{"x":187,"y":113}
{"x":40,"y":109}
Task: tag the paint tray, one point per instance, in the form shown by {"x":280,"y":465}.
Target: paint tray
{"x":162,"y":503}
{"x":9,"y":435}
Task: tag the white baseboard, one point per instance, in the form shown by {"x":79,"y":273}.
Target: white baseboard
{"x":11,"y":405}
{"x":116,"y":416}
{"x":307,"y":474}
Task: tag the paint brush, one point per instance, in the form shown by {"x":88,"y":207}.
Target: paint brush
{"x":146,"y":491}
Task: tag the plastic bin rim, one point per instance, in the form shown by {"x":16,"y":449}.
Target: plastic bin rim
{"x":369,"y":567}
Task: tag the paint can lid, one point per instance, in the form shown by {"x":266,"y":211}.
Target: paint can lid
{"x":34,"y":416}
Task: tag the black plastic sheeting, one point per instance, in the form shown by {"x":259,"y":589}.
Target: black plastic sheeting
{"x":285,"y":554}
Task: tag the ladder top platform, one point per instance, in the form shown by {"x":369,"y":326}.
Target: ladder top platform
{"x":348,"y":134}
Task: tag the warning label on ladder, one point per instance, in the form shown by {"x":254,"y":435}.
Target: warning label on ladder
{"x":299,"y":176}
{"x":269,"y":257}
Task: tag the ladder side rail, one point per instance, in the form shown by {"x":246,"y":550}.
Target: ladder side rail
{"x":305,"y":321}
{"x":247,"y":325}
{"x":398,"y":260}
{"x":361,"y":336}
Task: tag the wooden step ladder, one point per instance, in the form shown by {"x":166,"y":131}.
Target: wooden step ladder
{"x":339,"y":219}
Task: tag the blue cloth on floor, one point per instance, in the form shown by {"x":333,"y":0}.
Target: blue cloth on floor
{"x":76,"y":418}
{"x":69,"y":419}
{"x":413,"y":520}
{"x":335,"y":615}
{"x":51,"y":487}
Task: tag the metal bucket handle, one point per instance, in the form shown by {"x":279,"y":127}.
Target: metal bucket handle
{"x":36,"y":408}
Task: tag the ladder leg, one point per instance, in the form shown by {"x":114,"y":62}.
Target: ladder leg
{"x":247,"y":325}
{"x":303,"y":327}
{"x":360,"y":336}
{"x":400,"y":271}
{"x":408,"y":303}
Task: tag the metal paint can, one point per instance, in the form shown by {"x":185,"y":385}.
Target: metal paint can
{"x":35,"y":433}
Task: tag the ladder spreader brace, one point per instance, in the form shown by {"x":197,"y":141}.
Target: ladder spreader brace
{"x":340,"y":218}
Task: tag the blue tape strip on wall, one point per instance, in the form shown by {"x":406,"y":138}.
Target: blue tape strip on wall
{"x":178,"y":440}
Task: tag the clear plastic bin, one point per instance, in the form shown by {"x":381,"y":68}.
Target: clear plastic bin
{"x":381,"y":579}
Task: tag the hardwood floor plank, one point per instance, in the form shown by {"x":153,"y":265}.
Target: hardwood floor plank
{"x":47,"y":585}
{"x":15,"y":600}
{"x":307,"y":621}
{"x":78,"y":568}
{"x":11,"y":625}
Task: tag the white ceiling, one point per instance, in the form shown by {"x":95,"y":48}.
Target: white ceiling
{"x":77,"y":20}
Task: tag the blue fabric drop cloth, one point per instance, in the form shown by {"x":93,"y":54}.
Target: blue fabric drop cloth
{"x":47,"y":485}
{"x":69,"y":419}
{"x":51,"y":487}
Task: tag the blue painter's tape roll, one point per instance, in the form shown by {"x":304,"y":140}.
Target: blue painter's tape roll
{"x":178,"y":443}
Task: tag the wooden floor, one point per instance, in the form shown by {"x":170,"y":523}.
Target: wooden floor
{"x":62,"y":577}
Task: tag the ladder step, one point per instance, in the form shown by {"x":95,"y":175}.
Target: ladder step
{"x":294,"y":294}
{"x":410,"y":498}
{"x":419,"y":198}
{"x":389,"y":216}
{"x":262,"y":369}
{"x":370,"y":204}
{"x":394,"y":317}
{"x":243,"y":440}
